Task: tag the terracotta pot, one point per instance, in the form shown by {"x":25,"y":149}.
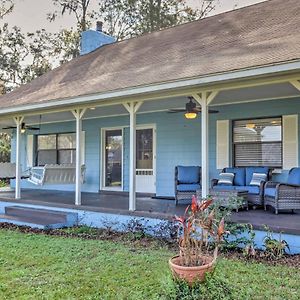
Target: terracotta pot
{"x":191,"y":274}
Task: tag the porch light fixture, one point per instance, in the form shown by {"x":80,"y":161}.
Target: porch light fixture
{"x":92,"y":108}
{"x":190,"y":115}
{"x":23,"y":128}
{"x":191,"y":112}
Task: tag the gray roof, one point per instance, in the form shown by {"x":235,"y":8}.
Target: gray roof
{"x":257,"y":35}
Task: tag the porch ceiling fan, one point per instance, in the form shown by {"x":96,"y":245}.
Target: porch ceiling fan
{"x":24,"y":127}
{"x":191,"y":109}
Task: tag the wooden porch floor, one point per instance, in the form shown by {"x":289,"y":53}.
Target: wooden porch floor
{"x":147,"y":207}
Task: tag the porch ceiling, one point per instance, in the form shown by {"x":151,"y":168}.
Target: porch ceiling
{"x":229,"y":96}
{"x":256,"y":93}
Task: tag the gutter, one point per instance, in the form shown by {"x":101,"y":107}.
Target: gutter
{"x":161,"y":87}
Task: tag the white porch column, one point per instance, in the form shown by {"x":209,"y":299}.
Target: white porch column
{"x":132,"y":108}
{"x":204,"y":98}
{"x":18,"y":120}
{"x":78,"y":114}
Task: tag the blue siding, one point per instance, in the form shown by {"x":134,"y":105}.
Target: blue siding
{"x":178,"y":141}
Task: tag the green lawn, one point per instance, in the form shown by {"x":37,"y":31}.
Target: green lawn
{"x":46,"y":267}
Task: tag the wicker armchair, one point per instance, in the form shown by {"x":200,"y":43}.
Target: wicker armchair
{"x":284,"y":196}
{"x":187,"y":182}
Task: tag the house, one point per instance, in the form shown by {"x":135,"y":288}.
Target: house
{"x":109,"y":108}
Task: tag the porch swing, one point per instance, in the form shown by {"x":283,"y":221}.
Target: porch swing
{"x":55,"y":174}
{"x":58,"y":174}
{"x":8,"y":171}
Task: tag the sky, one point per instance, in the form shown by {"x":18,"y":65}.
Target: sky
{"x":31,"y":15}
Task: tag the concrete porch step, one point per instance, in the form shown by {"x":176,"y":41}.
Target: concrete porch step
{"x":38,"y":218}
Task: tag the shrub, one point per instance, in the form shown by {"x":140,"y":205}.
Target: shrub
{"x":215,"y":287}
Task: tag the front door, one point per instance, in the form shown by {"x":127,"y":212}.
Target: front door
{"x":113,"y":159}
{"x":145,"y":160}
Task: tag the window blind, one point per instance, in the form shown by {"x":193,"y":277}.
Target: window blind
{"x":258,"y":142}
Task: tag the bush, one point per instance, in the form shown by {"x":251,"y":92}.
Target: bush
{"x":216,"y":287}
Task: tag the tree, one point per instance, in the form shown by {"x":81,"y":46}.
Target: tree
{"x":5,"y":147}
{"x":206,"y":6}
{"x":6,"y":7}
{"x":128,"y":18}
{"x":66,"y":45}
{"x":159,"y":14}
{"x":120,"y":17}
{"x":79,"y":8}
{"x":13,"y":51}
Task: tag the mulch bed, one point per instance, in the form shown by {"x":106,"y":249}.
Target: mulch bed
{"x":138,"y":240}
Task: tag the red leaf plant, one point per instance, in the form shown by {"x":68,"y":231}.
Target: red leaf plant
{"x":201,"y":232}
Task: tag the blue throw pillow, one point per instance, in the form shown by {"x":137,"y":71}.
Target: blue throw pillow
{"x":251,"y":170}
{"x":239,"y":175}
{"x":225,"y":179}
{"x":257,"y":178}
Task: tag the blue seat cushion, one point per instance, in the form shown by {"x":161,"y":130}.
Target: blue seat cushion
{"x":251,"y":170}
{"x":251,"y":189}
{"x":188,"y":187}
{"x":271,"y":192}
{"x":188,"y":174}
{"x":224,"y":187}
{"x":294,"y":176}
{"x":239,"y":175}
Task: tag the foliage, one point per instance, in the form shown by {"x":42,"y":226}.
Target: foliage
{"x":22,"y":57}
{"x":6,"y":7}
{"x":5,"y":147}
{"x":65,"y":45}
{"x":200,"y":229}
{"x":78,"y":8}
{"x":241,"y":236}
{"x":128,"y":18}
{"x":4,"y":183}
{"x":274,"y":248}
{"x":215,"y":287}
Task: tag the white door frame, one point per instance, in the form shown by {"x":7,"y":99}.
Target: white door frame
{"x":153,"y":127}
{"x":103,"y":160}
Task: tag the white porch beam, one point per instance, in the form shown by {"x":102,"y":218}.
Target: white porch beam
{"x":18,"y":120}
{"x":78,"y":114}
{"x":296,"y":84}
{"x":132,"y":108}
{"x":204,"y":98}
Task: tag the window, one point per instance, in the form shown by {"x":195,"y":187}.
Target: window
{"x":56,"y":149}
{"x":144,"y":148}
{"x":258,"y":142}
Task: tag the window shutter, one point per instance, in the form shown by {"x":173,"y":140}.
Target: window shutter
{"x":290,"y":141}
{"x":222,"y":144}
{"x":82,"y":147}
{"x":29,"y":151}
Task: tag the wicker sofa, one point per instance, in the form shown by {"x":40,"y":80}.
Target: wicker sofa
{"x":284,"y":196}
{"x":187,"y":181}
{"x":241,"y":182}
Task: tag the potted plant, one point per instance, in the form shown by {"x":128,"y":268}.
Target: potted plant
{"x":199,"y":241}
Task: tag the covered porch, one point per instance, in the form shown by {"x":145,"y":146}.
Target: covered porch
{"x":205,"y":141}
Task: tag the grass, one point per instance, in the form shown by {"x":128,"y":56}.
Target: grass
{"x":46,"y":267}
